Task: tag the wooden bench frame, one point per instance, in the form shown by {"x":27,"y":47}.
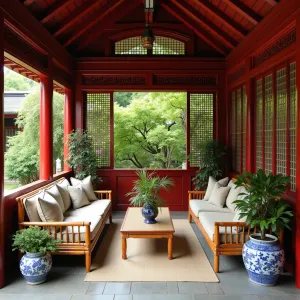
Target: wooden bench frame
{"x":230,"y":247}
{"x":69,"y":247}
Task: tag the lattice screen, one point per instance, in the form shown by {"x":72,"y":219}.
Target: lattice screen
{"x":281,"y":119}
{"x":233,"y":130}
{"x":268,"y":119}
{"x":130,"y":46}
{"x":98,"y":126}
{"x":244,"y":130}
{"x":259,"y":124}
{"x":168,"y":46}
{"x":201,"y":124}
{"x":238,"y":129}
{"x":292,"y":125}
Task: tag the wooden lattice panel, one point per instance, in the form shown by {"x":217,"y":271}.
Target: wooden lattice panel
{"x":268,"y":120}
{"x":201,"y":124}
{"x":292,"y":125}
{"x":233,"y":130}
{"x":244,"y":133}
{"x":168,"y":46}
{"x":130,"y":46}
{"x":281,"y":119}
{"x":238,"y":129}
{"x":98,"y":126}
{"x":259,"y":125}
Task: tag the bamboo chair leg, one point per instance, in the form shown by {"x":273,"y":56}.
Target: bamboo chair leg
{"x":110,"y":218}
{"x":88,"y":261}
{"x":216,"y":263}
{"x":189,"y":217}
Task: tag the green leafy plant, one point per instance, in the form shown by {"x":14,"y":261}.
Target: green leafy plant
{"x":212,"y":163}
{"x":262,"y":204}
{"x":34,"y":240}
{"x":82,"y":157}
{"x":146,"y":189}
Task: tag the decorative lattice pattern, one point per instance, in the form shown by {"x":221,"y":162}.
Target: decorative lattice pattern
{"x":244,"y":130}
{"x":98,"y":126}
{"x":281,"y":119}
{"x":268,"y":120}
{"x":201,"y":124}
{"x":168,"y":46}
{"x":130,"y":46}
{"x":259,"y":125}
{"x":238,"y":129}
{"x":233,"y":130}
{"x":292,"y":125}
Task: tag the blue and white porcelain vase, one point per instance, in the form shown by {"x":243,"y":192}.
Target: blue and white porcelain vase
{"x":263,"y":259}
{"x":35,"y":267}
{"x":149,"y":213}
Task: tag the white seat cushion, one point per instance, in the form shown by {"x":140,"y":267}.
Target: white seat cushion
{"x":198,"y":206}
{"x":96,"y":208}
{"x":208,"y":219}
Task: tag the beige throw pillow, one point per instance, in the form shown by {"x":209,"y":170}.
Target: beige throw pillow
{"x":87,"y":186}
{"x":211,"y":184}
{"x":30,"y":205}
{"x":63,"y":190}
{"x":55,"y":193}
{"x":78,"y":196}
{"x":219,"y":195}
{"x":49,"y":210}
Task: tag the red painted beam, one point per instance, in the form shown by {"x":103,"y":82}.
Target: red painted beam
{"x":272,"y":2}
{"x":219,"y":15}
{"x":28,"y":2}
{"x":68,"y":124}
{"x":172,"y":9}
{"x":56,"y":8}
{"x":244,"y":11}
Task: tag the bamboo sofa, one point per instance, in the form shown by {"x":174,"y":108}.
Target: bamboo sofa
{"x":224,"y":234}
{"x":81,"y":228}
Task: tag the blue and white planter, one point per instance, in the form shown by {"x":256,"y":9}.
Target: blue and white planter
{"x":35,"y":267}
{"x":149,"y":213}
{"x":263,"y":260}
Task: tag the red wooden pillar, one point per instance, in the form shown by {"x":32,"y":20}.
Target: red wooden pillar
{"x":68,"y":124}
{"x":46,"y":128}
{"x":1,"y":151}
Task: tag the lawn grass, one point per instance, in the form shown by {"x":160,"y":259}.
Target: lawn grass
{"x":10,"y":186}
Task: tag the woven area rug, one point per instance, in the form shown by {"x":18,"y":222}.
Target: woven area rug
{"x":147,"y":259}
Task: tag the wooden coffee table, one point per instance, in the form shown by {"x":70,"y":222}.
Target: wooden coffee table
{"x":133,"y":226}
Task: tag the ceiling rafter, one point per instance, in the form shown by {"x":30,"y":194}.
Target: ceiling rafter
{"x":240,"y":31}
{"x":75,"y":15}
{"x":93,"y":20}
{"x":108,"y":20}
{"x":28,"y":2}
{"x":54,"y":9}
{"x":244,"y":10}
{"x":172,"y":9}
{"x":272,"y":2}
{"x":226,"y":39}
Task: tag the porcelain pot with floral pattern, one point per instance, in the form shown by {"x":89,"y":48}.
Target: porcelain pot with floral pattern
{"x":263,"y":259}
{"x":35,"y":267}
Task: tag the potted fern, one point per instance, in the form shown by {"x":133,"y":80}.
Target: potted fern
{"x":145,"y":192}
{"x":263,"y":208}
{"x":37,"y":261}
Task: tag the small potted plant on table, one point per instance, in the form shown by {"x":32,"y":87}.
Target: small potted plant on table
{"x":37,"y":261}
{"x":264,"y":209}
{"x":145,"y":192}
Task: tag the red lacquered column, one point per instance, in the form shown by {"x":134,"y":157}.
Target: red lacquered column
{"x":68,"y":124}
{"x":46,"y":129}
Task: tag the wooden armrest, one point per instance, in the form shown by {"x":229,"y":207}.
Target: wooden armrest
{"x":231,"y":224}
{"x":196,"y":194}
{"x":103,"y":194}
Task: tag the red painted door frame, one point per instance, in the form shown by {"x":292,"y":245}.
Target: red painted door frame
{"x":68,"y":124}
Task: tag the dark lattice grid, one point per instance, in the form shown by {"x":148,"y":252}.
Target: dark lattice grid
{"x":281,"y":119}
{"x":98,"y":126}
{"x":292,"y":125}
{"x":130,"y":46}
{"x":268,"y":120}
{"x":8,"y":132}
{"x":201,"y":124}
{"x":244,"y":119}
{"x":168,"y":46}
{"x":233,"y":129}
{"x":259,"y":127}
{"x":238,"y":129}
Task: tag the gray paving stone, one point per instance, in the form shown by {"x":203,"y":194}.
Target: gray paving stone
{"x":93,"y":297}
{"x":149,"y":288}
{"x":214,"y":288}
{"x":192,"y":288}
{"x":96,"y":288}
{"x":224,"y":297}
{"x":277,"y":297}
{"x":117,"y":288}
{"x":35,"y":297}
{"x":172,"y":287}
{"x":71,"y":289}
{"x":163,"y":297}
{"x":123,"y":297}
{"x":286,"y":285}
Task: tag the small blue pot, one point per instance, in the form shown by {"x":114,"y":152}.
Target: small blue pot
{"x":35,"y":267}
{"x":263,"y":260}
{"x":149,"y":213}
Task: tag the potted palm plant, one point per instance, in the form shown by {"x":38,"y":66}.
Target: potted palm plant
{"x":37,"y":261}
{"x":145,"y":192}
{"x":263,"y":208}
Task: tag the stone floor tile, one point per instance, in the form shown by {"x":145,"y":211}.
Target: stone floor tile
{"x":149,"y":288}
{"x":35,"y":297}
{"x":286,"y":285}
{"x":117,"y":288}
{"x":123,"y":297}
{"x":163,"y":297}
{"x":214,"y":288}
{"x":72,"y":288}
{"x":224,"y":297}
{"x":92,"y":297}
{"x":96,"y":288}
{"x":192,"y":288}
{"x":172,"y":287}
{"x":277,"y":297}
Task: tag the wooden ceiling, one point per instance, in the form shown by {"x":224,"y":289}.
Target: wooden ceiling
{"x":222,"y":24}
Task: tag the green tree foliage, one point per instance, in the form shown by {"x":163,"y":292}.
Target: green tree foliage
{"x":22,"y":157}
{"x":150,"y":132}
{"x":16,"y":82}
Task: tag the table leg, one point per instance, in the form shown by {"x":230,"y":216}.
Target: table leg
{"x":170,"y":247}
{"x":124,"y":247}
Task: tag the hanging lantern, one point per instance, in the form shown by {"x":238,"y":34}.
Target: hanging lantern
{"x":147,"y":38}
